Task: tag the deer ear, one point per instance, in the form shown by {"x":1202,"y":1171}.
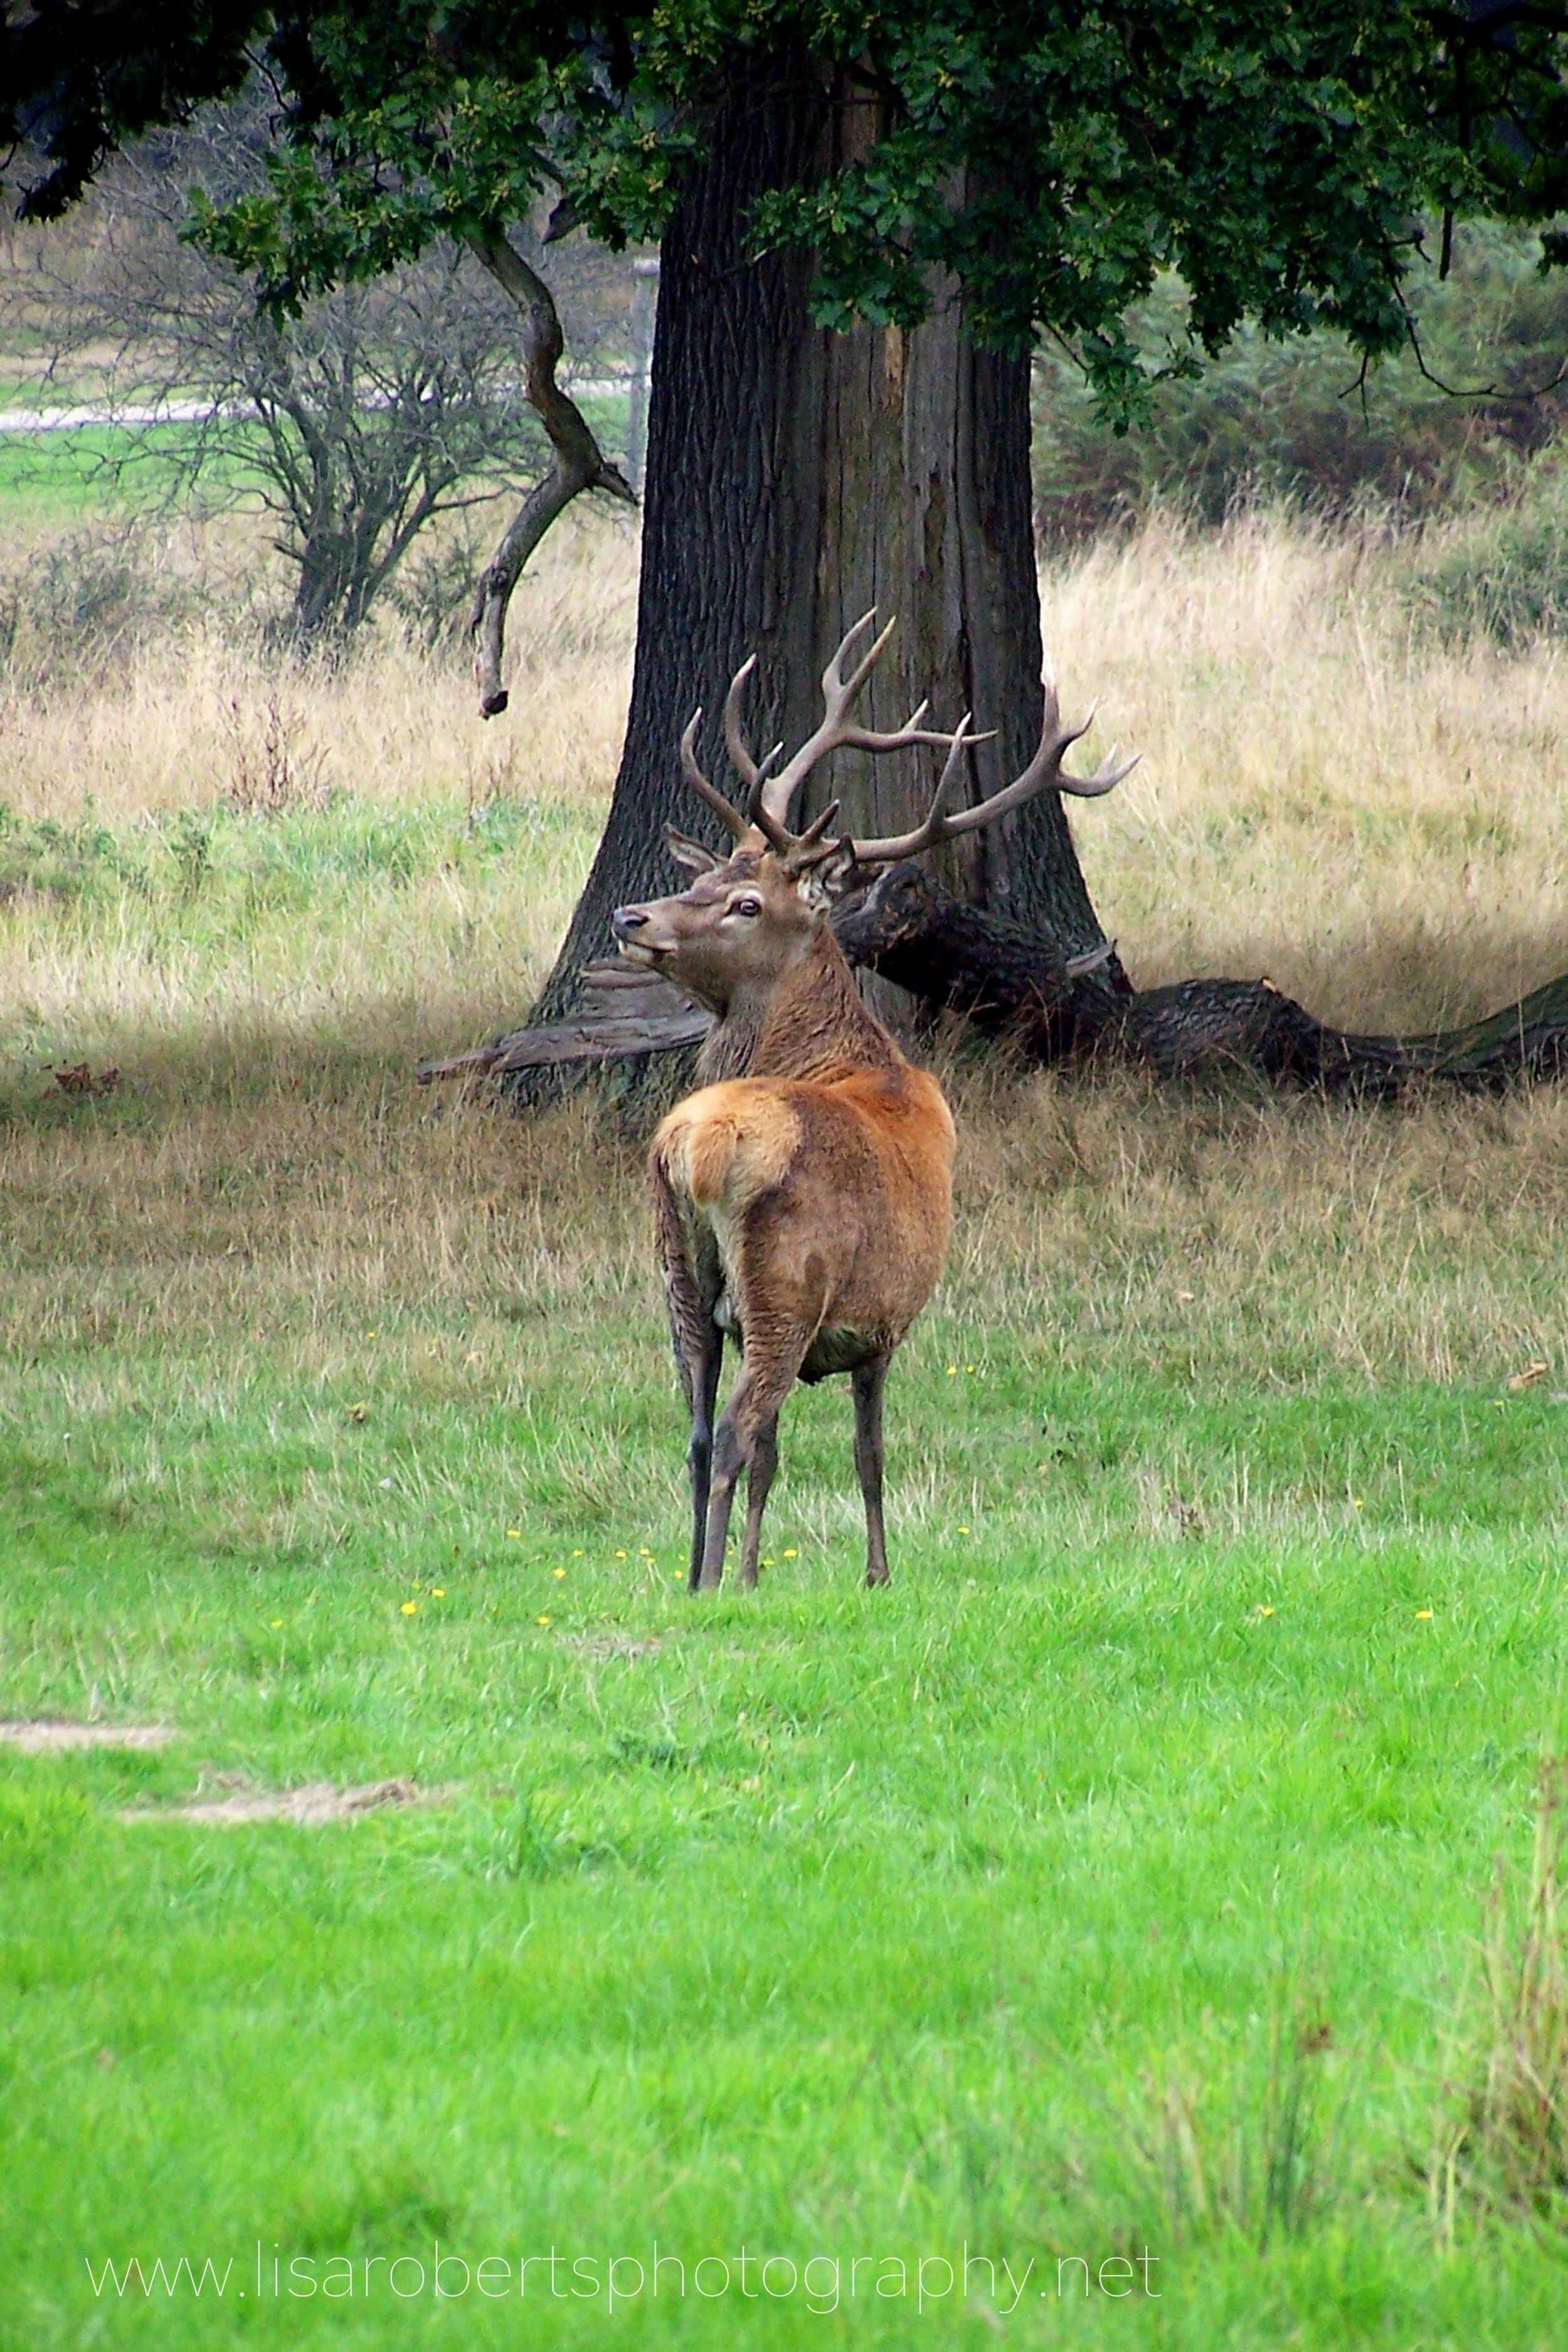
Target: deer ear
{"x":827,"y":878}
{"x":695,"y":856}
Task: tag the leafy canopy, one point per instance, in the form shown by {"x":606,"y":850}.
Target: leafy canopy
{"x":1057,"y":157}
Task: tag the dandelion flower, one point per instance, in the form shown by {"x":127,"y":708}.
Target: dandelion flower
{"x":558,"y":1571}
{"x":277,"y":1622}
{"x":1423,"y":1612}
{"x":411,"y":1608}
{"x":620,"y":1555}
{"x":1265,"y":1613}
{"x":437,"y":1592}
{"x":514,"y":1531}
{"x":790,"y":1552}
{"x":576,"y":1555}
{"x":372,"y":1334}
{"x":542,"y":1620}
{"x":964,"y":1531}
{"x":952,"y":1371}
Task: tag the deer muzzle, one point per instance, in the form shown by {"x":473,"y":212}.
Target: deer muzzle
{"x":631,"y":926}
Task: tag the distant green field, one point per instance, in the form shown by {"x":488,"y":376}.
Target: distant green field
{"x":65,"y":475}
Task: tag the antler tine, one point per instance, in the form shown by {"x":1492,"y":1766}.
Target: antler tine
{"x":1105,"y":778}
{"x":937,"y":824}
{"x":838,"y":689}
{"x":1044,"y":774}
{"x":731,"y":818}
{"x":838,"y":693}
{"x":818,"y":825}
{"x":734,"y":742}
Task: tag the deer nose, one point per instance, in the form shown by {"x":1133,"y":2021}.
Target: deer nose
{"x":625,"y":920}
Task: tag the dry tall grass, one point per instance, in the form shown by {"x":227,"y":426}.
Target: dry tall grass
{"x":1377,"y":822}
{"x":1378,"y":825}
{"x":154,"y":729}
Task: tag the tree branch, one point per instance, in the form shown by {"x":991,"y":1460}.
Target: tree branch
{"x":580,"y":464}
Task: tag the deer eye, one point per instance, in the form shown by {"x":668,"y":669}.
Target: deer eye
{"x":746,"y":906}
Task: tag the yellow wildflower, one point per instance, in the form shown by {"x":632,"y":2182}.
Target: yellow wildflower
{"x":410,"y":1608}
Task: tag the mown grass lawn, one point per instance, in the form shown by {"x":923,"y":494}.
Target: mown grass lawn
{"x":1005,"y":1910}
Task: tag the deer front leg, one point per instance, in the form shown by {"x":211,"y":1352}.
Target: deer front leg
{"x":869,"y":1382}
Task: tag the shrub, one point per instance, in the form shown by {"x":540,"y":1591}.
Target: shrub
{"x":1297,"y":419}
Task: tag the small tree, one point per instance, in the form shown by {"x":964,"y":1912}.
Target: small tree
{"x":356,"y":421}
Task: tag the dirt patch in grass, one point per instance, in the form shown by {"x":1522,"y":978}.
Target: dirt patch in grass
{"x":613,"y":1645}
{"x":43,"y":1737}
{"x":317,"y":1802}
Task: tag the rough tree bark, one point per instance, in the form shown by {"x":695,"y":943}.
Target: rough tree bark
{"x":794,"y":478}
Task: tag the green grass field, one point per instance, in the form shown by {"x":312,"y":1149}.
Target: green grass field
{"x":996,"y":1910}
{"x":1104,"y":1901}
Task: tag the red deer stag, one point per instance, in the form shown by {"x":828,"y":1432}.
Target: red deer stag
{"x":804,"y":1206}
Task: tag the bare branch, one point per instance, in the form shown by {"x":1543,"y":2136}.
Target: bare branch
{"x":580,"y":464}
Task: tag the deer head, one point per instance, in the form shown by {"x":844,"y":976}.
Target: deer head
{"x":752,"y":915}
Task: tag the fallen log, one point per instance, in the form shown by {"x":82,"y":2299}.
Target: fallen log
{"x":627,"y":1013}
{"x":1018,"y":986}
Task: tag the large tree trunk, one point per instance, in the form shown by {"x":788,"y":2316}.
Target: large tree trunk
{"x":794,"y":478}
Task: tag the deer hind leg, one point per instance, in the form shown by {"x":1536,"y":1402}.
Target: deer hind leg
{"x":746,"y":1439}
{"x":869,"y":1381}
{"x":693,"y":1279}
{"x":761,"y":1471}
{"x":703,"y":1390}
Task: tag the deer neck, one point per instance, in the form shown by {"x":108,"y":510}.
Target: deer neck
{"x":810,"y":1024}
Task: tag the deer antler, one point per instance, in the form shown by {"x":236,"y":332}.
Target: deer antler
{"x":769,"y":795}
{"x":1044,"y":774}
{"x":734,"y":824}
{"x":837,"y":730}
